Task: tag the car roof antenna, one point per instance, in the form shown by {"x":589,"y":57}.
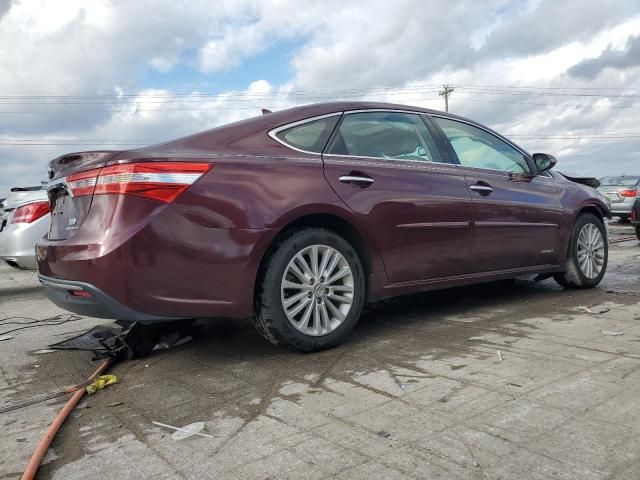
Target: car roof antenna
{"x":265,"y":111}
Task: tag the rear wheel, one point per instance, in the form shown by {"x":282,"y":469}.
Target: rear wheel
{"x":638,"y":231}
{"x":312,"y":292}
{"x":587,"y":256}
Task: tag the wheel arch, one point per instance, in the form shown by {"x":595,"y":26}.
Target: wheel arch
{"x":338,"y":224}
{"x":593,"y":208}
{"x":593,"y":205}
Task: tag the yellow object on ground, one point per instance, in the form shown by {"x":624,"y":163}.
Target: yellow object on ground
{"x":101,"y":382}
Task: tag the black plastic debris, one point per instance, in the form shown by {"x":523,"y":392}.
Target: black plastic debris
{"x":127,"y":340}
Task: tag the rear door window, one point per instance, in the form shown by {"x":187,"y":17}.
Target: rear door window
{"x":310,"y":136}
{"x":390,"y":135}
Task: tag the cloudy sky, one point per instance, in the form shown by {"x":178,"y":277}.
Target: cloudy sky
{"x":557,"y":76}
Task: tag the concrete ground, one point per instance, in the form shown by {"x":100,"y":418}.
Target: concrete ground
{"x":511,"y":381}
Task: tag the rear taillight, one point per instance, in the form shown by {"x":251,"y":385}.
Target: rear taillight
{"x":30,"y":212}
{"x":160,"y":181}
{"x":628,"y":193}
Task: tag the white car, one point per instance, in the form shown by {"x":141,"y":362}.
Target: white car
{"x":24,"y":219}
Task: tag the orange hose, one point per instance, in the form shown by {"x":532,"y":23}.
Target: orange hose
{"x":47,"y":438}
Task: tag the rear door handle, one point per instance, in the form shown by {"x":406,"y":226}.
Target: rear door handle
{"x":356,"y":179}
{"x":481,"y":189}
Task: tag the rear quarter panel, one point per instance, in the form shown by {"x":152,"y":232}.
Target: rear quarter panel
{"x":268,"y":194}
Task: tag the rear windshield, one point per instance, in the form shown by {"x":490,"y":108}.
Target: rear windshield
{"x":623,"y":181}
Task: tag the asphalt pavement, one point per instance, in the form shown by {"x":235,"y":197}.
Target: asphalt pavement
{"x":506,"y":380}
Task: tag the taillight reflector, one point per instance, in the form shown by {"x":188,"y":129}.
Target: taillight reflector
{"x":160,"y":181}
{"x":30,"y":212}
{"x":628,"y":193}
{"x":81,"y":293}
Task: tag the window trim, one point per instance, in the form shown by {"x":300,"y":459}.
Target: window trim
{"x":527,"y":158}
{"x":274,"y":131}
{"x":382,"y":159}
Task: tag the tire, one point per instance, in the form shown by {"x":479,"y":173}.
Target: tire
{"x":638,"y":231}
{"x":575,"y":275}
{"x":319,"y":332}
{"x":624,"y":219}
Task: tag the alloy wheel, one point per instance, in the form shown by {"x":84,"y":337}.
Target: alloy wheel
{"x":317,"y":290}
{"x":591,"y":251}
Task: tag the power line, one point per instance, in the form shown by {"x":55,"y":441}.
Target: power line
{"x":309,"y":94}
{"x":69,"y":142}
{"x":305,"y":92}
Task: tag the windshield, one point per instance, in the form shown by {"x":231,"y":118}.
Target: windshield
{"x":623,"y":181}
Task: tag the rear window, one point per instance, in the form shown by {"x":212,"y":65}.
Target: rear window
{"x":310,"y":136}
{"x":621,"y":181}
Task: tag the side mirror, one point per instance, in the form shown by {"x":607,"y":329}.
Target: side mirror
{"x":544,"y":161}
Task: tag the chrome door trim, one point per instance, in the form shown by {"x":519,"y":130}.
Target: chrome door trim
{"x":355,"y":178}
{"x":464,"y":225}
{"x":516,"y":224}
{"x":481,"y":188}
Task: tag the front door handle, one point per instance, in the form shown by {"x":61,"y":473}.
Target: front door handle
{"x":358,"y":180}
{"x":481,"y":189}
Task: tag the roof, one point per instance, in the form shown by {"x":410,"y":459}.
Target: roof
{"x":243,"y":135}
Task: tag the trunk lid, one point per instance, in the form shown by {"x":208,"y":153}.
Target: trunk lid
{"x":19,"y":196}
{"x":610,"y":186}
{"x":79,"y":162}
{"x":612,"y":192}
{"x":68,"y":212}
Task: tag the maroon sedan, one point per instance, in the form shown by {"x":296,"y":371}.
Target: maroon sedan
{"x":299,"y":217}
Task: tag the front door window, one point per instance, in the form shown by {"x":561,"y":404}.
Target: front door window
{"x":478,"y":148}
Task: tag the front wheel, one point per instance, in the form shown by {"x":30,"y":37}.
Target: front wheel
{"x":588,"y":254}
{"x":312,"y":292}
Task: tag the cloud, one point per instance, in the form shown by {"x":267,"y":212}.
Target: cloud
{"x":5,"y":5}
{"x":609,"y":58}
{"x":100,"y":55}
{"x":534,"y":27}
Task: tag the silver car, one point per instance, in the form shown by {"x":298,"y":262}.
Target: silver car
{"x":622,"y":192}
{"x":24,"y":219}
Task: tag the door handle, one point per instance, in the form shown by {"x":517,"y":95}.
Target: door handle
{"x":357,"y":180}
{"x":481,"y":189}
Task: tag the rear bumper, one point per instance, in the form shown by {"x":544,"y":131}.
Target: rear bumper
{"x":18,"y":242}
{"x":155,"y":262}
{"x":27,"y":262}
{"x":622,"y":208}
{"x":93,"y":302}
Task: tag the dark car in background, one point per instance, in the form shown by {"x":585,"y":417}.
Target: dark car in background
{"x":635,"y":217}
{"x":297,"y":218}
{"x":622,"y":191}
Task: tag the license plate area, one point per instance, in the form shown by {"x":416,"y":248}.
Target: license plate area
{"x":64,"y":216}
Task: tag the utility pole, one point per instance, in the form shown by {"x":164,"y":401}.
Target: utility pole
{"x":446,"y":91}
